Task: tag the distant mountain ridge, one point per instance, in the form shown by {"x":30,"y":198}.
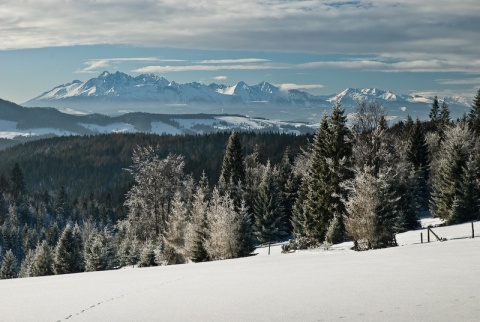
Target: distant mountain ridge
{"x":20,"y":124}
{"x":149,"y":87}
{"x":119,"y":93}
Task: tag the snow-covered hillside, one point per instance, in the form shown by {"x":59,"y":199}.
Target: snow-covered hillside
{"x":413,"y":282}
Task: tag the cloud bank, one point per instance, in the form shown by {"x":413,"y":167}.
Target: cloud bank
{"x":410,"y":35}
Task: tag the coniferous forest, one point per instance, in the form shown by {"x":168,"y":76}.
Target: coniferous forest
{"x":94,"y":203}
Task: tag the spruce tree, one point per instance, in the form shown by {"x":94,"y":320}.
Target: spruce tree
{"x":288,"y":186}
{"x":27,"y":265}
{"x":330,"y":165}
{"x":434,"y":112}
{"x":417,"y":151}
{"x":99,"y":251}
{"x":43,"y":262}
{"x":9,"y":267}
{"x":474,"y":115}
{"x":68,"y":253}
{"x":456,"y":148}
{"x":444,"y":114}
{"x":467,"y":200}
{"x":246,"y":240}
{"x":268,"y":212}
{"x":418,"y":156}
{"x":196,"y":231}
{"x":233,"y":171}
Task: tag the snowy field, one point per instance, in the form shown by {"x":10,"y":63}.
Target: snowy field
{"x":415,"y":282}
{"x":8,"y":130}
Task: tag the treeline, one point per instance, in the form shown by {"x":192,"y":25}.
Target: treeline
{"x":363,"y":181}
{"x":94,"y":164}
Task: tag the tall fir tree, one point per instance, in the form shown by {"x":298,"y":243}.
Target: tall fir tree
{"x":434,"y":113}
{"x":444,"y":114}
{"x":417,"y":155}
{"x":330,"y":165}
{"x":288,"y":186}
{"x":9,"y":267}
{"x":99,"y":251}
{"x":43,"y":262}
{"x":68,"y":253}
{"x":474,"y":114}
{"x":456,"y":148}
{"x":233,"y":171}
{"x":466,"y":206}
{"x":269,"y":224}
{"x":196,"y":231}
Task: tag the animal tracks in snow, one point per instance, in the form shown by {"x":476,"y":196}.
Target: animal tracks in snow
{"x":118,"y":297}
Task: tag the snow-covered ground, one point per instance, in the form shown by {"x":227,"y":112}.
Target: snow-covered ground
{"x":414,"y":282}
{"x":110,"y":128}
{"x":8,"y":130}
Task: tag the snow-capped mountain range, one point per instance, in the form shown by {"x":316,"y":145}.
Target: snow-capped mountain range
{"x":118,"y":93}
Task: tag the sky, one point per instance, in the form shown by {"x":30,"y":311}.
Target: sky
{"x":408,"y":47}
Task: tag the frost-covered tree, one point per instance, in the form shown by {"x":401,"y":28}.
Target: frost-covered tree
{"x":69,"y":252}
{"x":451,"y":164}
{"x":43,"y":262}
{"x":417,"y":155}
{"x":99,"y":251}
{"x":174,"y":238}
{"x":289,"y":184}
{"x":474,"y":115}
{"x":434,"y":112}
{"x":9,"y":267}
{"x":370,"y":220}
{"x":466,"y":205}
{"x":444,"y":114}
{"x":149,"y":201}
{"x":196,"y":230}
{"x":330,"y":165}
{"x":147,"y":255}
{"x":27,"y":265}
{"x":269,"y":223}
{"x":233,"y":170}
{"x":223,"y":235}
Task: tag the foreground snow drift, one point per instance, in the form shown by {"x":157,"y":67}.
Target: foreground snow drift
{"x":421,"y":282}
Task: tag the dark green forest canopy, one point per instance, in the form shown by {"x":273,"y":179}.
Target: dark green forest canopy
{"x":94,"y":164}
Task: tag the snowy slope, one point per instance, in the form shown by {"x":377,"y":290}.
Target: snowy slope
{"x":415,"y":282}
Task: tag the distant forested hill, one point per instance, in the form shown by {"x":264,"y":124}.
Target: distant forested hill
{"x":94,"y":164}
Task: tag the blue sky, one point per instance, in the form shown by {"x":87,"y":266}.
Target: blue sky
{"x":429,"y":46}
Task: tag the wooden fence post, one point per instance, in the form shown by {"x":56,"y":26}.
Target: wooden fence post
{"x":428,"y":234}
{"x":421,"y":238}
{"x":473,"y":231}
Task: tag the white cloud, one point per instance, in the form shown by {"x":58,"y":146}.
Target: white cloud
{"x":289,"y":86}
{"x":460,"y":81}
{"x":234,"y":61}
{"x":220,"y":77}
{"x":191,"y":68}
{"x":94,"y":65}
